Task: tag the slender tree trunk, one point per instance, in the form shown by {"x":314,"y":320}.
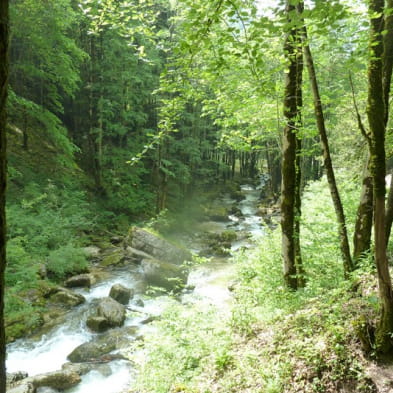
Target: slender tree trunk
{"x":387,"y":78}
{"x":364,"y":217}
{"x":365,"y":212}
{"x":290,"y":188}
{"x":319,"y":115}
{"x":389,"y":211}
{"x":3,"y":172}
{"x":376,"y":118}
{"x":300,"y":273}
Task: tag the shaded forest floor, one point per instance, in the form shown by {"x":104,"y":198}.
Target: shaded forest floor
{"x":274,"y":340}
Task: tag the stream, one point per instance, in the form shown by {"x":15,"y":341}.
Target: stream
{"x":209,"y":282}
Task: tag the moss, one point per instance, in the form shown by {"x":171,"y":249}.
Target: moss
{"x":113,"y":259}
{"x":23,"y":324}
{"x":365,"y":332}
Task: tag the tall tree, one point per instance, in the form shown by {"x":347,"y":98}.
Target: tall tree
{"x":376,"y":118}
{"x":3,"y":98}
{"x":320,"y":119}
{"x":290,"y":187}
{"x":387,"y":78}
{"x":363,"y":225}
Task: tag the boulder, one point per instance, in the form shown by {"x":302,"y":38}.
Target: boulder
{"x":42,"y":272}
{"x":99,"y":348}
{"x":115,"y":257}
{"x":91,"y":351}
{"x":24,"y":387}
{"x":164,"y":274}
{"x":61,"y":379}
{"x":116,"y":239}
{"x":92,"y":252}
{"x":216,"y":213}
{"x":237,"y":195}
{"x":135,"y":255}
{"x":16,"y":377}
{"x":139,"y":302}
{"x":66,"y":298}
{"x":112,"y":311}
{"x":79,"y":368}
{"x":121,"y":294}
{"x":81,"y":280}
{"x":236,"y":211}
{"x":156,"y":246}
{"x":97,"y":324}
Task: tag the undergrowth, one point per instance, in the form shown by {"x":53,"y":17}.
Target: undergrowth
{"x":47,"y":229}
{"x":276,"y":340}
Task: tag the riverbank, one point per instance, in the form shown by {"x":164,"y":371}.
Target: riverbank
{"x":273,"y":340}
{"x":152,"y":268}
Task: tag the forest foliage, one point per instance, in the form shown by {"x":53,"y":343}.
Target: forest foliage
{"x":120,"y":111}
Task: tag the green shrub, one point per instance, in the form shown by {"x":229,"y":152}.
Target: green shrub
{"x":66,"y":260}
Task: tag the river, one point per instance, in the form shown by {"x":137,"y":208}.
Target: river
{"x":210,"y":283}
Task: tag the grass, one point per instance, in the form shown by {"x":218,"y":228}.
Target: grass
{"x":275,"y":340}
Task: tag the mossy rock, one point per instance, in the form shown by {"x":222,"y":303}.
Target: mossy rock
{"x":157,"y":246}
{"x":237,"y":195}
{"x":163,"y":274}
{"x":217,"y":213}
{"x":113,"y":259}
{"x":227,"y":236}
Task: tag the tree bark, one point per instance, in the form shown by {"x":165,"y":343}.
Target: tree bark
{"x":376,"y":118}
{"x":365,"y":211}
{"x":387,"y":78}
{"x":320,"y":119}
{"x":364,"y":217}
{"x":290,"y":188}
{"x":389,"y":212}
{"x":3,"y":120}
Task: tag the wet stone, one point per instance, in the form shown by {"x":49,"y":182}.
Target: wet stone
{"x":121,"y":294}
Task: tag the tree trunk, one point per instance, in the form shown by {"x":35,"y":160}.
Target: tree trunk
{"x":376,"y":118}
{"x":301,"y":278}
{"x":364,"y":217}
{"x":387,"y":78}
{"x":389,"y":211}
{"x":290,"y":188}
{"x":3,"y":172}
{"x":319,"y":115}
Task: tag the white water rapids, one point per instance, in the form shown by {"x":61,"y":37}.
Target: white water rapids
{"x":210,"y":282}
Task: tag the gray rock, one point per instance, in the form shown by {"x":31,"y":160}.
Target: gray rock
{"x":42,"y":271}
{"x":116,"y":239}
{"x":79,"y":368}
{"x":115,"y":257}
{"x":164,"y":274}
{"x":112,"y":311}
{"x":97,"y":324}
{"x":139,"y":302}
{"x":61,"y":379}
{"x":92,"y":251}
{"x":135,"y":255}
{"x":91,"y":351}
{"x":100,"y":347}
{"x":81,"y":280}
{"x":16,"y":377}
{"x":121,"y":294}
{"x":22,"y":388}
{"x":67,"y":298}
{"x":156,"y":246}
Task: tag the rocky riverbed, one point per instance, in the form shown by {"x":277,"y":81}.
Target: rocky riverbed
{"x":83,"y":349}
